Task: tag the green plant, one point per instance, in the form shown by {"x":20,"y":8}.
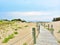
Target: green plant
{"x":26,"y":26}
{"x":58,"y":41}
{"x":15,"y":32}
{"x":56,"y":19}
{"x":51,"y":29}
{"x":15,"y":29}
{"x":5,"y":40}
{"x":59,"y":31}
{"x":46,"y":26}
{"x":0,"y":37}
{"x":19,"y":27}
{"x":25,"y":44}
{"x":11,"y":36}
{"x":8,"y":38}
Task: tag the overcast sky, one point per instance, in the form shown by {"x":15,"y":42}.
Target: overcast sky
{"x":30,"y":10}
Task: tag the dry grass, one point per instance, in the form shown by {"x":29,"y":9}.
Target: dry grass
{"x":19,"y":30}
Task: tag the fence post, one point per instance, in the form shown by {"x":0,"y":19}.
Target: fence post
{"x":34,"y":35}
{"x":39,"y":28}
{"x":52,"y":30}
{"x":51,"y":26}
{"x":48,"y":26}
{"x":44,"y":24}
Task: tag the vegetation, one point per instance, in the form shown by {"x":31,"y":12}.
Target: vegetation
{"x":13,"y":20}
{"x":23,"y":21}
{"x":59,"y":31}
{"x":25,"y":44}
{"x":5,"y":40}
{"x":46,"y":26}
{"x":0,"y":20}
{"x":16,"y":29}
{"x":8,"y":38}
{"x":51,"y":29}
{"x":56,"y":19}
{"x":11,"y":36}
{"x":9,"y":25}
{"x":15,"y":32}
{"x":19,"y":27}
{"x":58,"y":41}
{"x":4,"y":20}
{"x":26,"y":26}
{"x":18,"y":20}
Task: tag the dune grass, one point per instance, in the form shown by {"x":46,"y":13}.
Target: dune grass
{"x":58,"y":41}
{"x":59,"y":31}
{"x":26,"y":26}
{"x":8,"y":38}
{"x":24,"y":43}
{"x":15,"y":32}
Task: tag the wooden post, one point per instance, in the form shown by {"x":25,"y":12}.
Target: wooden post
{"x":39,"y":28}
{"x":44,"y":24}
{"x":34,"y":35}
{"x":48,"y":26}
{"x":51,"y":26}
{"x":52,"y":30}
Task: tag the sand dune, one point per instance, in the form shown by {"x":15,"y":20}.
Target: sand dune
{"x":24,"y":33}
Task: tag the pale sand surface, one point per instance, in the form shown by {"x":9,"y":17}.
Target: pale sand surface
{"x":24,"y":34}
{"x":56,"y":26}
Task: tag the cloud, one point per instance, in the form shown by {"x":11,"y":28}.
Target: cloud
{"x":33,"y":13}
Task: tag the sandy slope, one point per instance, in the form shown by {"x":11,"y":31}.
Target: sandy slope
{"x":56,"y":26}
{"x":24,"y":34}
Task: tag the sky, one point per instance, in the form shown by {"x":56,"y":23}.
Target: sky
{"x":30,"y":10}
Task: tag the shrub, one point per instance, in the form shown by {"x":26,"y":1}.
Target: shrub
{"x":26,"y":26}
{"x":5,"y":40}
{"x":16,"y":20}
{"x":11,"y":36}
{"x":59,"y":31}
{"x":15,"y":29}
{"x":8,"y":38}
{"x":23,"y":21}
{"x":19,"y":27}
{"x":15,"y":32}
{"x":25,"y":44}
{"x":58,"y":41}
{"x":0,"y":20}
{"x":56,"y":19}
{"x":0,"y":37}
{"x":51,"y":29}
